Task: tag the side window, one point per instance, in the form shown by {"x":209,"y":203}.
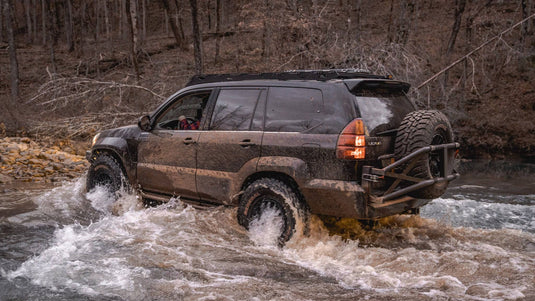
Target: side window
{"x":234,"y":109}
{"x":185,"y":113}
{"x":293,"y":109}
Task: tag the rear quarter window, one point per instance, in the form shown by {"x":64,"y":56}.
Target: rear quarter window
{"x":291,"y":109}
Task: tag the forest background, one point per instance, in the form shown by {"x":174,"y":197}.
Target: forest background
{"x":70,"y":68}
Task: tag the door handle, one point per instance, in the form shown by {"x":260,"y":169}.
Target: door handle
{"x":188,"y":141}
{"x":245,"y":143}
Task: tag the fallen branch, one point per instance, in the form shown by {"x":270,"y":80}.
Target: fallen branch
{"x":473,"y":51}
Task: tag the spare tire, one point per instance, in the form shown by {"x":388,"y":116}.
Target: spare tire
{"x":420,"y":129}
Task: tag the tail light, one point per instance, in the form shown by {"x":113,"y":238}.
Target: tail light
{"x":352,"y":141}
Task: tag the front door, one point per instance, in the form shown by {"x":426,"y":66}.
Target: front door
{"x":167,"y":155}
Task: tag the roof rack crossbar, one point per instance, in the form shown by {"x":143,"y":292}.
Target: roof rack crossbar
{"x":319,"y":75}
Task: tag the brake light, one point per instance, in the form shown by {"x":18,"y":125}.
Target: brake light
{"x":352,"y":141}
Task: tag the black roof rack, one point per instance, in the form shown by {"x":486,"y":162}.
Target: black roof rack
{"x":320,"y":75}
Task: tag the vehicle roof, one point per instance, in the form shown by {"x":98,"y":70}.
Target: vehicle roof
{"x":300,"y":75}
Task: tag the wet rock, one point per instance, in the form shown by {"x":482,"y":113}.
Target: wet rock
{"x":22,"y":159}
{"x":4,"y":179}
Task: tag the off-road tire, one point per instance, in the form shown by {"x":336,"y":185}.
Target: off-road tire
{"x":419,"y":129}
{"x":106,"y":171}
{"x":268,"y":192}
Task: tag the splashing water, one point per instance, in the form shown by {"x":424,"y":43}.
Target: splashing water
{"x":78,"y":245}
{"x":267,"y":228}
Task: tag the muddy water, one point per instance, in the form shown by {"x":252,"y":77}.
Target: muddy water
{"x":475,"y":243}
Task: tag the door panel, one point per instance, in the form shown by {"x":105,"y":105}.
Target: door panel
{"x":221,"y":155}
{"x":167,"y":162}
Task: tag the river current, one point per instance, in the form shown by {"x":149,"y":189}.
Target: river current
{"x":477,"y":242}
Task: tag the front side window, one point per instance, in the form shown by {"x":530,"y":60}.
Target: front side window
{"x":185,"y":113}
{"x":294,"y":109}
{"x":234,"y":109}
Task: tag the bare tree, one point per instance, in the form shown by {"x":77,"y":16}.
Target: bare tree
{"x":197,"y":39}
{"x":179,"y":22}
{"x":458,"y":14}
{"x":217,"y":29}
{"x":69,"y":32}
{"x":131,"y":13}
{"x":1,"y":20}
{"x":266,"y":31}
{"x":14,"y":64}
{"x":406,"y":12}
{"x":179,"y":42}
{"x":144,"y":21}
{"x":525,"y":7}
{"x":44,"y":16}
{"x":358,"y":19}
{"x":27,"y":8}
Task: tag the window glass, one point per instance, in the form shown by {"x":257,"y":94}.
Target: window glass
{"x":234,"y":109}
{"x":293,"y":109}
{"x":257,"y":123}
{"x":185,"y":113}
{"x":383,"y":110}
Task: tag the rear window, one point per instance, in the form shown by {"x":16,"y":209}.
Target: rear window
{"x":382,"y":110}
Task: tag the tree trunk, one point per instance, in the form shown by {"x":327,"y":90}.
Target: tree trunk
{"x":197,"y":39}
{"x":358,"y":19}
{"x":266,"y":32}
{"x":459,"y":10}
{"x":27,"y":8}
{"x":13,"y":62}
{"x":524,"y":27}
{"x":51,"y":35}
{"x":69,"y":26}
{"x":108,"y":26}
{"x":457,"y":15}
{"x":34,"y":17}
{"x":174,"y":28}
{"x":179,"y":22}
{"x":43,"y":19}
{"x":390,"y":33}
{"x":144,"y":7}
{"x":407,"y":8}
{"x":1,"y":21}
{"x":131,"y":13}
{"x":218,"y":29}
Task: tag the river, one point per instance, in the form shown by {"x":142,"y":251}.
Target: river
{"x":477,"y":242}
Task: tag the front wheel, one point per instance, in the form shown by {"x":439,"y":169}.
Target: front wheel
{"x":106,"y":172}
{"x":273,"y":199}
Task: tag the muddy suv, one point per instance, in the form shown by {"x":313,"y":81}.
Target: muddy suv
{"x":338,"y":143}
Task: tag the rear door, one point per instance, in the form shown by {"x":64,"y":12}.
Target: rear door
{"x":231,"y":143}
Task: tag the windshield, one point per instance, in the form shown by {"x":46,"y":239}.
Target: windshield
{"x":382,"y":110}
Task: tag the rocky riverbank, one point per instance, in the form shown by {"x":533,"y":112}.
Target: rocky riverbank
{"x":22,"y":159}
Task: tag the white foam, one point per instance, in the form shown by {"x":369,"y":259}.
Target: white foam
{"x":266,"y":229}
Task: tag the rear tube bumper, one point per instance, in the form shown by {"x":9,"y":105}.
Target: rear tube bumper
{"x":371,"y":174}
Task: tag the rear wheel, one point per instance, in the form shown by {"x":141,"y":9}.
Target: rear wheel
{"x":419,"y":129}
{"x":105,"y":171}
{"x":265,"y":196}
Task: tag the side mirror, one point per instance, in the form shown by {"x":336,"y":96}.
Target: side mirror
{"x":144,"y":123}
